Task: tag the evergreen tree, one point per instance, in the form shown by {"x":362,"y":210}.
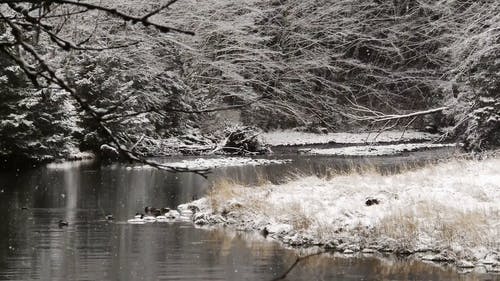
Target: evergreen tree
{"x":33,"y":123}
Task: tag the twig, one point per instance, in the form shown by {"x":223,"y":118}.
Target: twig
{"x":407,"y":125}
{"x":159,"y":10}
{"x":139,"y":141}
{"x":299,"y":259}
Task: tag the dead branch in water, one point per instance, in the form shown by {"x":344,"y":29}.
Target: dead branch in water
{"x":297,"y":261}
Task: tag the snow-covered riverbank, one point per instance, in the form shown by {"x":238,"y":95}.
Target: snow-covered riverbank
{"x":447,"y":212}
{"x":373,"y":150}
{"x":218,"y":162}
{"x":289,"y":137}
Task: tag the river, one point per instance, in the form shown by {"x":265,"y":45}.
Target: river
{"x":34,"y":247}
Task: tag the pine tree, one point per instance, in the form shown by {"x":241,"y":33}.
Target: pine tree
{"x":34,"y":126}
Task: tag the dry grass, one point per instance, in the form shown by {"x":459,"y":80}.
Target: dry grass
{"x":222,"y":191}
{"x":468,"y":228}
{"x":262,"y":179}
{"x":442,"y":224}
{"x":296,"y":216}
{"x":324,"y":231}
{"x":401,"y":227}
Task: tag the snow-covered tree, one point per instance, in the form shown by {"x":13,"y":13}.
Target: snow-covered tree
{"x":34,"y":125}
{"x":133,"y":99}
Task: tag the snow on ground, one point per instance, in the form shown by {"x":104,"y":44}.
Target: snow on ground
{"x":80,"y":155}
{"x":224,"y":162}
{"x":201,"y":163}
{"x":68,"y":164}
{"x":448,"y":212}
{"x":374,"y":150}
{"x":289,"y":137}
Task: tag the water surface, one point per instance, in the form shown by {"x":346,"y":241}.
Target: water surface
{"x":34,"y":247}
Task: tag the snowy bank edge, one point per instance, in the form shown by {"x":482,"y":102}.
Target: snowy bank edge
{"x":284,"y":232}
{"x":375,"y":150}
{"x":294,"y":138}
{"x":209,"y":163}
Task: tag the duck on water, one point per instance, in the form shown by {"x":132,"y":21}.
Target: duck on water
{"x":154,"y":215}
{"x":138,"y":219}
{"x":62,"y":223}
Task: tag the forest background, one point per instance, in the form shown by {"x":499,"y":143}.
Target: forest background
{"x":328,"y":66}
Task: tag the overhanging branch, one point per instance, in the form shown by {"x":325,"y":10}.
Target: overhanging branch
{"x":390,"y":117}
{"x":43,"y":70}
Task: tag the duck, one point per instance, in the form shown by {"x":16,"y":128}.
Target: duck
{"x":149,"y":218}
{"x":62,"y":223}
{"x":165,"y":215}
{"x":172,"y":214}
{"x":138,"y":219}
{"x":161,"y":218}
{"x":264,"y":232}
{"x":151,"y":214}
{"x":152,"y":211}
{"x":168,"y":214}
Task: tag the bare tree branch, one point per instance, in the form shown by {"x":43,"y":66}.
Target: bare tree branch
{"x":180,"y":110}
{"x":158,"y":10}
{"x":389,"y":117}
{"x":46,"y":72}
{"x":114,"y":12}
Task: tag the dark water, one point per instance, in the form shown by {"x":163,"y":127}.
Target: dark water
{"x":33,"y":247}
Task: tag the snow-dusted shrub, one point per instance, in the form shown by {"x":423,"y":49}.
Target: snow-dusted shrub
{"x":34,"y":124}
{"x":133,"y":101}
{"x":476,"y":52}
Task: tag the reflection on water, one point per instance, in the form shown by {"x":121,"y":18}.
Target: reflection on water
{"x":329,"y":166}
{"x":371,"y":268}
{"x":33,"y":247}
